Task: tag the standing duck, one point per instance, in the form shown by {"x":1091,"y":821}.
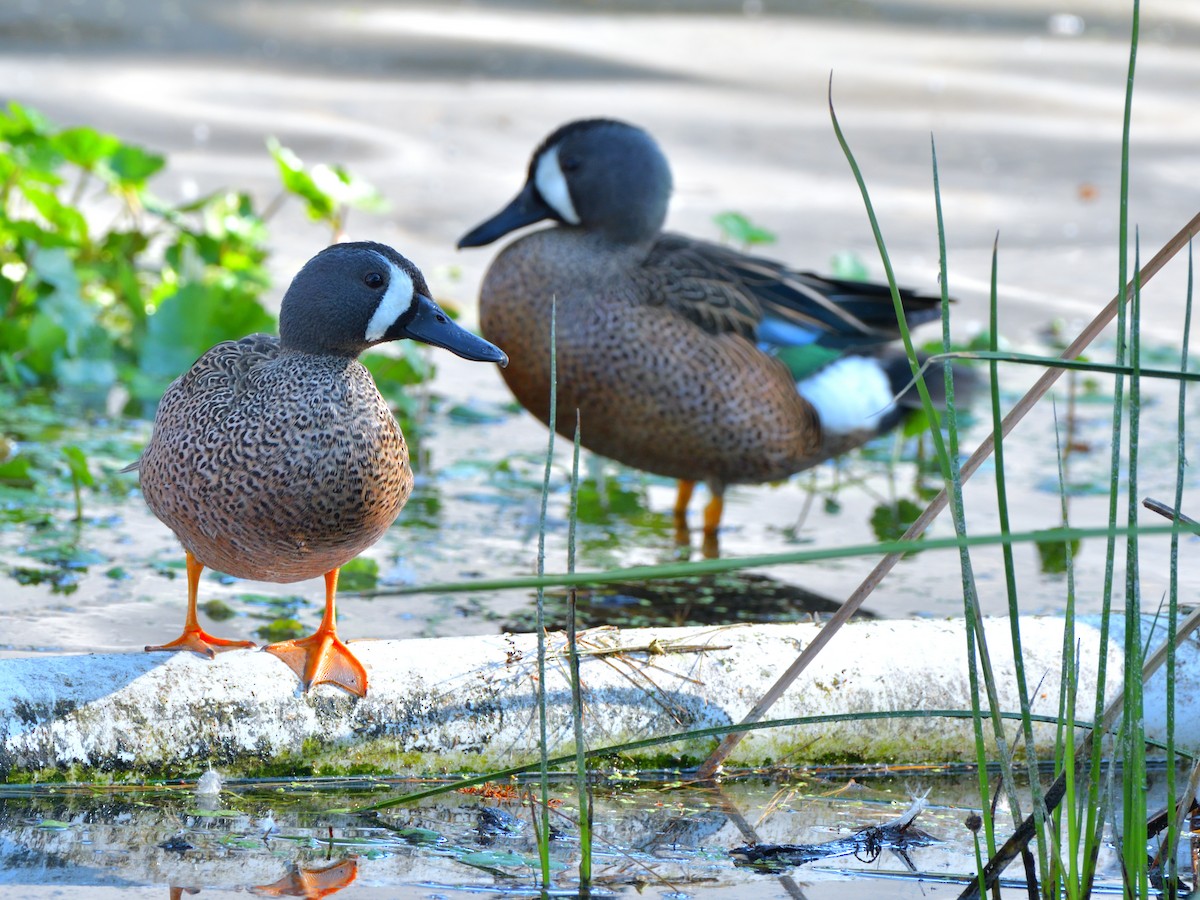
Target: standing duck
{"x":684,"y":358}
{"x":276,"y":459}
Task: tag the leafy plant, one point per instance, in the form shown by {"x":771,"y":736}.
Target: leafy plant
{"x":107,"y":293}
{"x":132,"y":302}
{"x":328,"y":192}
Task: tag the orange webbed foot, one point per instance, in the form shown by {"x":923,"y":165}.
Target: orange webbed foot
{"x":322,"y":658}
{"x":200,"y":641}
{"x":314,"y":883}
{"x":194,"y":637}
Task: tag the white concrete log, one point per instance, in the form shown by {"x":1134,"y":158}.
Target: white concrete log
{"x":469,"y":703}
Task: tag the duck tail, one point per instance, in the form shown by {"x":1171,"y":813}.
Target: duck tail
{"x":904,"y":386}
{"x":873,"y":392}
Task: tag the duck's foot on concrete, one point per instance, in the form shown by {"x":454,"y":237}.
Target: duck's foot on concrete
{"x":322,"y":658}
{"x":200,"y":641}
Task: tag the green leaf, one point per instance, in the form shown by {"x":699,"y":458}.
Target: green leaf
{"x":65,"y":303}
{"x":410,"y":365}
{"x":45,"y":339}
{"x":890,"y":521}
{"x":131,"y":166}
{"x":218,"y":610}
{"x":300,"y":183}
{"x":192,"y":320}
{"x":15,"y":472}
{"x":85,"y":147}
{"x":361,"y":574}
{"x":77,"y":464}
{"x":849,"y":267}
{"x":343,"y":187}
{"x":416,"y":835}
{"x":917,"y":423}
{"x":1053,"y":555}
{"x":64,"y":219}
{"x":497,"y":858}
{"x":20,"y":121}
{"x":280,"y":630}
{"x":739,"y":229}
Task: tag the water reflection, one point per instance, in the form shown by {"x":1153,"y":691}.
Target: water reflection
{"x":654,"y":836}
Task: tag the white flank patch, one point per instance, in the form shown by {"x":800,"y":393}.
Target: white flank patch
{"x":849,"y":395}
{"x":552,"y":185}
{"x":396,"y":300}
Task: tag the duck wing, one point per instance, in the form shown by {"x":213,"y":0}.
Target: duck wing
{"x":723,"y":290}
{"x":214,"y":380}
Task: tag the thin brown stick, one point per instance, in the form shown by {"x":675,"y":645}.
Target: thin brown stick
{"x":1018,"y":412}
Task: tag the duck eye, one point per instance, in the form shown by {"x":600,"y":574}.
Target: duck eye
{"x":373,"y":280}
{"x":571,"y":164}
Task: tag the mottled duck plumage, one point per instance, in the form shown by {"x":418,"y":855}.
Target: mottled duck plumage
{"x":685,"y":358}
{"x":276,"y":459}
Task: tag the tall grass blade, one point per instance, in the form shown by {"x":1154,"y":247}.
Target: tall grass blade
{"x":1170,"y":851}
{"x":543,"y":831}
{"x":904,"y":546}
{"x":1133,"y":773}
{"x":1095,"y":822}
{"x":1014,"y":612}
{"x":1067,"y":859}
{"x":972,"y":612}
{"x":581,"y":781}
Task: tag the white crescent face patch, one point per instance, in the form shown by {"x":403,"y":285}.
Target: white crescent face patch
{"x":396,"y":300}
{"x":548,"y":178}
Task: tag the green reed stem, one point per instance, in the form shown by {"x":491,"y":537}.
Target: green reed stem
{"x":972,"y":612}
{"x":1172,"y":831}
{"x":581,"y":782}
{"x":1134,"y":784}
{"x":918,"y":376}
{"x":543,"y":829}
{"x":736,"y":564}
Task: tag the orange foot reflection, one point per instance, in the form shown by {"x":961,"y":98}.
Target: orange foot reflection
{"x":311,"y":884}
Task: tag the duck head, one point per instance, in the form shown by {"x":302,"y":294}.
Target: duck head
{"x":352,"y":296}
{"x":600,"y":175}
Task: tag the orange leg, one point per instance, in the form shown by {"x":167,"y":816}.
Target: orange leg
{"x":322,"y":657}
{"x":194,"y":637}
{"x":712,"y":523}
{"x":682,"y":498}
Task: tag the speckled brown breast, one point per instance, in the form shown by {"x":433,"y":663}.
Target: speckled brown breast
{"x":275,"y":466}
{"x":655,"y":391}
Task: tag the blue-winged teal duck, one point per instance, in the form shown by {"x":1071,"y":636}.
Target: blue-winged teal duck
{"x":276,"y":459}
{"x":685,"y":358}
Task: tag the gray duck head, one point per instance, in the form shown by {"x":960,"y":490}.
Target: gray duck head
{"x":600,"y":175}
{"x":352,"y":296}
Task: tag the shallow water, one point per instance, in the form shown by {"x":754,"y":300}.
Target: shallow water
{"x":114,"y":582}
{"x":656,"y":836}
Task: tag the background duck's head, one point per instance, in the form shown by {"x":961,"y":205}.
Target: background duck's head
{"x":352,"y":296}
{"x":601,"y":175}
